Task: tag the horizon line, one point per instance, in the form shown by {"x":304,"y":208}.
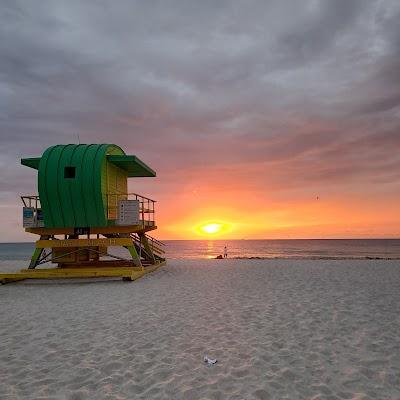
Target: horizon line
{"x":244,"y":239}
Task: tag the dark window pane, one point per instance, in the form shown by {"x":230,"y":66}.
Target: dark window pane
{"x":69,"y":172}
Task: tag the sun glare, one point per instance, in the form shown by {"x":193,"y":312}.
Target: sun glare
{"x":212,"y":228}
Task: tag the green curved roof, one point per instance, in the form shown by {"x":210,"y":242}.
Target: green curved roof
{"x":71,"y":189}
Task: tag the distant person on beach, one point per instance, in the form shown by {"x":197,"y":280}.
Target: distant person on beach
{"x":225,"y":252}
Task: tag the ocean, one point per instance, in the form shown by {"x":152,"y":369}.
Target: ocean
{"x":19,"y":253}
{"x":286,"y":248}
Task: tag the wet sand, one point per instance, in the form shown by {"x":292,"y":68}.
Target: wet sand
{"x":280,"y":329}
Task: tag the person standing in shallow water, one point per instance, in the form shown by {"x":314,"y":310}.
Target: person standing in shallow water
{"x":225,"y":252}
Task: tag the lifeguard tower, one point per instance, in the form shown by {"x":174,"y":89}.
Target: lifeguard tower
{"x":83,"y":210}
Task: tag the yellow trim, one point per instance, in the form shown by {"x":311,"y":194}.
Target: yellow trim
{"x":62,"y":273}
{"x":96,"y":230}
{"x":84,"y":242}
{"x":127,"y":273}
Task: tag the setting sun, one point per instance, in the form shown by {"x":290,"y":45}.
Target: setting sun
{"x":212,"y":228}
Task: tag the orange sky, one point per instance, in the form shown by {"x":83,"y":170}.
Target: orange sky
{"x":272,"y":213}
{"x":280,"y":189}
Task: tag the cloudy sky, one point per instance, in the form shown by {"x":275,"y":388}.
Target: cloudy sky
{"x":278,"y":117}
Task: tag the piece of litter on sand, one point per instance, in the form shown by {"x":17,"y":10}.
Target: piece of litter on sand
{"x":210,"y":361}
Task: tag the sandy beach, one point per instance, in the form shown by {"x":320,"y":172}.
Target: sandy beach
{"x":280,"y":329}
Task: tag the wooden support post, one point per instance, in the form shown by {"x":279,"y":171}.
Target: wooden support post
{"x":148,"y":250}
{"x":35,"y":258}
{"x":37,"y":253}
{"x":135,"y":256}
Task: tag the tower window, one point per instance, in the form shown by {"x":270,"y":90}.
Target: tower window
{"x":69,"y":172}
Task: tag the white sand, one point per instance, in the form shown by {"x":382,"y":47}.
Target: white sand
{"x":280,"y":329}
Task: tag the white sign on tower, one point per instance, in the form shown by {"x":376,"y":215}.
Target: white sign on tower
{"x":128,"y":212}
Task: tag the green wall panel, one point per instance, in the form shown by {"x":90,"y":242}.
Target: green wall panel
{"x":80,"y":200}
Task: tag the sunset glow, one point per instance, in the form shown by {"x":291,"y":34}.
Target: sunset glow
{"x":212,"y":228}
